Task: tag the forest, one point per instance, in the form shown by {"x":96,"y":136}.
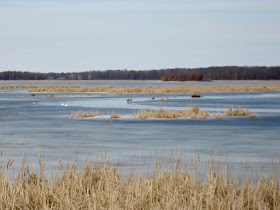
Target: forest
{"x":194,"y":76}
{"x":210,"y":73}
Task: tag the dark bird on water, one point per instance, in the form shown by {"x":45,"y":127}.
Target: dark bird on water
{"x":153,"y":98}
{"x":129,"y":100}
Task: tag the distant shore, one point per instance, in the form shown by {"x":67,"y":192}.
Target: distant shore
{"x":185,"y":88}
{"x":156,"y":80}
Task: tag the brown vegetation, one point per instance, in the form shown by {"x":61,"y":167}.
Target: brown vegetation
{"x":236,"y":112}
{"x":99,"y":186}
{"x":114,"y":115}
{"x":253,"y":115}
{"x":192,"y":112}
{"x":81,"y":114}
{"x":146,"y":89}
{"x":218,"y":116}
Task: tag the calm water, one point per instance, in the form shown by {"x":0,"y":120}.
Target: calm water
{"x":28,"y":128}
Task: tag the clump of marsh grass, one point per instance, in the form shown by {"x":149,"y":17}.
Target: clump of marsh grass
{"x":100,"y":186}
{"x":114,"y":115}
{"x":192,"y":112}
{"x":195,"y":112}
{"x":218,"y":116}
{"x":253,"y":115}
{"x":236,"y":112}
{"x":81,"y":114}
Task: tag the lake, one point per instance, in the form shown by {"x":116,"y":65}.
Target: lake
{"x":28,"y":129}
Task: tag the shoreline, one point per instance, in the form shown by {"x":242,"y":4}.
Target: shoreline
{"x":125,"y":80}
{"x":184,"y":88}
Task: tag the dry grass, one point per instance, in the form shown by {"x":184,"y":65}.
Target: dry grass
{"x":218,"y":116}
{"x":99,"y":186}
{"x":114,"y":115}
{"x":236,"y":112}
{"x":146,"y":89}
{"x":253,"y":115}
{"x":192,"y":112}
{"x":81,"y":114}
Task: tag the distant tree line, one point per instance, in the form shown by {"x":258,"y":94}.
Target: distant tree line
{"x":210,"y":73}
{"x":194,"y":76}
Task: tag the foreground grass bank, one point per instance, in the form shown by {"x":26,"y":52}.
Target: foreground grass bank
{"x":98,"y":186}
{"x":146,"y":89}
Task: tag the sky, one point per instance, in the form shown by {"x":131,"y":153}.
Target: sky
{"x":82,"y":35}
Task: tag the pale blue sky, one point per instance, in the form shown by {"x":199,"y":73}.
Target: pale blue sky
{"x":81,"y":35}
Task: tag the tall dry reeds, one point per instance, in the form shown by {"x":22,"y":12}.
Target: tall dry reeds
{"x":81,"y":114}
{"x":146,"y":89}
{"x":236,"y":112}
{"x":114,"y":115}
{"x":218,"y":116}
{"x":192,"y":112}
{"x":99,"y":186}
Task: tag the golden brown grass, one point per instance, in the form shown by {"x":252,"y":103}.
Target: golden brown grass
{"x":99,"y":186}
{"x":218,"y":116}
{"x":236,"y":112}
{"x":253,"y":115}
{"x":146,"y":89}
{"x":192,"y":112}
{"x":81,"y":114}
{"x":114,"y":115}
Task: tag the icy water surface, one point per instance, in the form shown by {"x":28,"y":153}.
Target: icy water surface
{"x":28,"y":128}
